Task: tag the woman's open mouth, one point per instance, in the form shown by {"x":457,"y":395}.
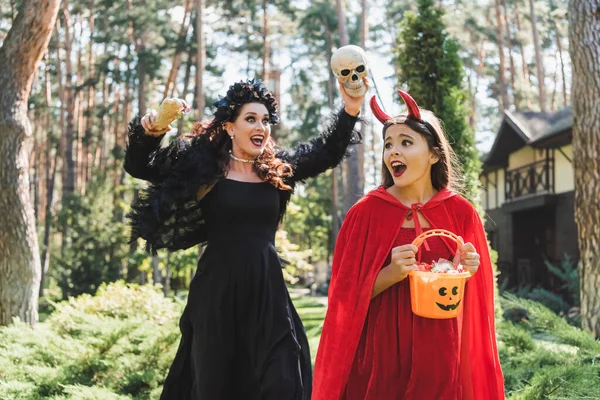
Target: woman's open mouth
{"x":398,"y":168}
{"x":257,"y":140}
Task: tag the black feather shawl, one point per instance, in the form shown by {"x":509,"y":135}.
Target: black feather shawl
{"x":168,"y":214}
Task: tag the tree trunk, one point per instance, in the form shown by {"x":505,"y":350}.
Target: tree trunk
{"x":122,"y":133}
{"x":526,"y":74}
{"x":509,"y":46}
{"x":104,"y":125}
{"x":78,"y":110}
{"x":20,"y":55}
{"x":480,"y":57}
{"x":539,"y":59}
{"x":91,"y":94}
{"x":584,"y":38}
{"x":186,"y":84}
{"x":555,"y":85}
{"x":342,"y":29}
{"x":352,"y":176}
{"x":50,"y":179}
{"x":171,"y":80}
{"x":116,"y":132}
{"x":502,"y":68}
{"x":47,"y":128}
{"x":13,"y":10}
{"x":562,"y":69}
{"x":140,"y":47}
{"x":331,"y":82}
{"x":34,"y":160}
{"x":156,"y":276}
{"x":559,"y":47}
{"x":69,"y":172}
{"x":61,"y":97}
{"x":167,"y":284}
{"x":266,"y":46}
{"x":102,"y":151}
{"x":335,"y":222}
{"x":360,"y":148}
{"x":50,"y":169}
{"x":200,"y":59}
{"x":343,"y":169}
{"x":374,"y":155}
{"x":141,"y":73}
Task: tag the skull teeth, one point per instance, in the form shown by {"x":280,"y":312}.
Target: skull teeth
{"x":353,"y":85}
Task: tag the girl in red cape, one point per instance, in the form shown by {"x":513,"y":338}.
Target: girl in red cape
{"x":373,"y":347}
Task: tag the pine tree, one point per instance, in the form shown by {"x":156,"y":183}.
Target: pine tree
{"x":429,"y":64}
{"x":20,"y":54}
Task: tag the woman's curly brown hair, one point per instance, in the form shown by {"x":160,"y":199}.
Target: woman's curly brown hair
{"x":227,"y":109}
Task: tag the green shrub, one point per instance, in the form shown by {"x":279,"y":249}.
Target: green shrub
{"x":515,"y":338}
{"x":121,"y":301}
{"x":543,"y":321}
{"x":543,"y":357}
{"x":564,"y":382}
{"x":296,"y":265}
{"x":118,"y":344}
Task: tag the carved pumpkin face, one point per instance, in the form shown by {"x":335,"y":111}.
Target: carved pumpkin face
{"x":449,"y":298}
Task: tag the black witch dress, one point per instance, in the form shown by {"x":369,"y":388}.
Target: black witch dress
{"x":241,"y":336}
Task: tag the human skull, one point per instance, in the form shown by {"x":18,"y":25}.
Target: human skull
{"x":349,"y":65}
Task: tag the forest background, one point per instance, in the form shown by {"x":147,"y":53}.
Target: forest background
{"x":109,"y":60}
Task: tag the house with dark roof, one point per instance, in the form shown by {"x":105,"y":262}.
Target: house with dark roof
{"x":528,"y":195}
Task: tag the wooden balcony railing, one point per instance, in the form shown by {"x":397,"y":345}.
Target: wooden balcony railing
{"x":532,"y":179}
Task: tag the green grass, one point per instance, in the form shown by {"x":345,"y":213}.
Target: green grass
{"x":312,"y":314}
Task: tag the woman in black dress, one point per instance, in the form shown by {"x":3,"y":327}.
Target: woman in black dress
{"x":227,"y":185}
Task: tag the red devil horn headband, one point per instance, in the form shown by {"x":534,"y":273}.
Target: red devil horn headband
{"x":377,"y":111}
{"x":411,"y":104}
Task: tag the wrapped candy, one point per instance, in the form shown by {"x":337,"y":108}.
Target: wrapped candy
{"x":440,"y":266}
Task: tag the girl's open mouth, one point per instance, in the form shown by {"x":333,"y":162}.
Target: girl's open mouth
{"x":398,"y":168}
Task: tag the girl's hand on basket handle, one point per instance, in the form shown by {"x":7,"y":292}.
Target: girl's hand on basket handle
{"x":404,"y":259}
{"x":469,"y":258}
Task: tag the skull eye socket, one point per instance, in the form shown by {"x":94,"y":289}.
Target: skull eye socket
{"x":345,"y":72}
{"x":455,"y":290}
{"x":360,"y":68}
{"x":442,"y":291}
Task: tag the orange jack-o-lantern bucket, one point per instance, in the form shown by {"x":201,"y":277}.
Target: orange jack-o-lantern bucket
{"x":434,"y":294}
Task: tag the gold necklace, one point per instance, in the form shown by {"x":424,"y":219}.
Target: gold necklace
{"x":241,"y":159}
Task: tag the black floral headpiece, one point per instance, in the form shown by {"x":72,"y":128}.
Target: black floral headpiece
{"x":240,"y":93}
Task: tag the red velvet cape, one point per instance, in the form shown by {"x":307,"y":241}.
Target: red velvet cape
{"x":364,"y":242}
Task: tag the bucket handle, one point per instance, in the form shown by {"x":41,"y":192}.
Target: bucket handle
{"x":439,"y":232}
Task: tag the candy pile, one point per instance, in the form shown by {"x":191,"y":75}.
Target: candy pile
{"x":441,"y":266}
